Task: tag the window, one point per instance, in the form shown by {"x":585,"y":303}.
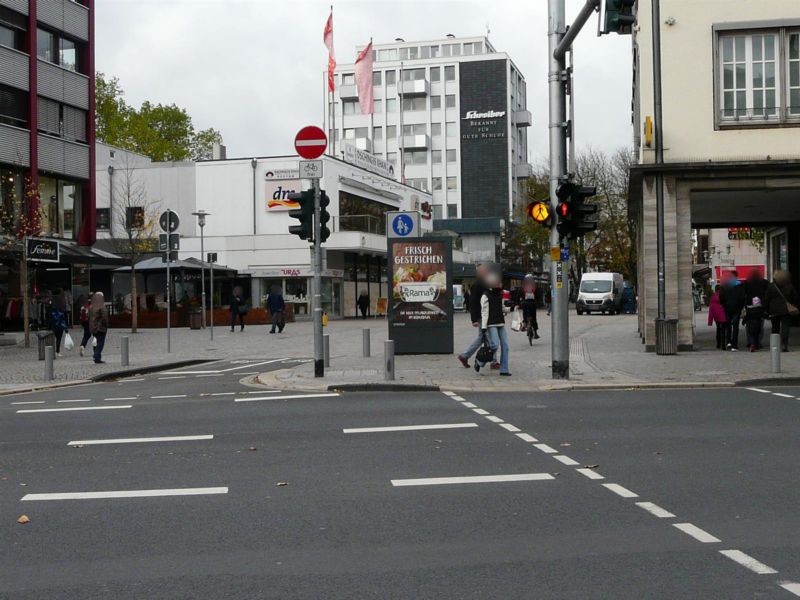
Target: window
{"x":392,"y":157}
{"x":68,"y":55}
{"x":450,"y":101}
{"x":451,"y":156}
{"x":49,"y":113}
{"x":436,"y":158}
{"x":391,"y":77}
{"x":391,"y":132}
{"x":391,"y":105}
{"x":350,"y":107}
{"x":45,"y":45}
{"x":420,"y":184}
{"x":452,"y":184}
{"x":436,"y":73}
{"x":134,"y":217}
{"x":452,"y":211}
{"x":425,"y":52}
{"x":450,"y":73}
{"x":412,"y":104}
{"x":794,"y":73}
{"x":434,"y":51}
{"x":13,"y":106}
{"x":377,"y":106}
{"x":436,"y":130}
{"x":416,"y":157}
{"x":73,"y":123}
{"x":415,"y":129}
{"x":348,"y":79}
{"x":103,"y":219}
{"x":452,"y":50}
{"x":389,"y":54}
{"x":450,"y":129}
{"x":413,"y":74}
{"x":377,"y":133}
{"x":468,"y":49}
{"x":376,"y":78}
{"x":437,"y":182}
{"x":413,"y":52}
{"x":437,"y":211}
{"x":436,"y":102}
{"x":10,"y":37}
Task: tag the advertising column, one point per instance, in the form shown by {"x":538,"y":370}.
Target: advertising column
{"x":421,"y":306}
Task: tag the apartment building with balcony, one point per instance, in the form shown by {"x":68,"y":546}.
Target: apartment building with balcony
{"x":451,"y":117}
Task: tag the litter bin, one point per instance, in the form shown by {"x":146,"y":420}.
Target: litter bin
{"x":666,"y":337}
{"x":196,"y":319}
{"x":45,"y":338}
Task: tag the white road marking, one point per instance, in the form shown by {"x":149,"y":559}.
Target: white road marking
{"x":81,"y":400}
{"x":134,"y":379}
{"x":782,"y":395}
{"x":526,"y":437}
{"x":459,"y":399}
{"x":176,"y":438}
{"x":122,"y":398}
{"x":494,"y":419}
{"x":590,"y":473}
{"x":545,"y":448}
{"x":620,"y":491}
{"x":748,"y":562}
{"x":759,"y":390}
{"x":792,"y":587}
{"x":126,"y":494}
{"x":472,"y":479}
{"x":655,"y":510}
{"x":170,"y":396}
{"x":264,"y":392}
{"x":247,"y":373}
{"x":566,"y":460}
{"x":697,"y":533}
{"x":30,"y":402}
{"x":408,"y":428}
{"x":451,"y":394}
{"x":480,"y":411}
{"x":293,"y":397}
{"x":469,"y":404}
{"x":223,"y":393}
{"x":215,"y":375}
{"x":44,"y":410}
{"x":178,"y":377}
{"x":239,"y":368}
{"x":509,"y":427}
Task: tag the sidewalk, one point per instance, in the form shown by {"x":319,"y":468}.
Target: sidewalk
{"x":605,"y":351}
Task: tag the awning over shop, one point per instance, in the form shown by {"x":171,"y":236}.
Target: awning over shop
{"x":190,"y":264}
{"x":69,"y":253}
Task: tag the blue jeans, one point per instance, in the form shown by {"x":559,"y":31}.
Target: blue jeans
{"x":100,"y":336}
{"x":473,"y":347}
{"x":498,"y":336}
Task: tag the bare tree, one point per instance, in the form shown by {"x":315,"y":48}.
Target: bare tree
{"x":135,"y":215}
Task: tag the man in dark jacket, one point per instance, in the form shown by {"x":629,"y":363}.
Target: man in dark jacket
{"x":779,"y":301}
{"x":277,"y":308}
{"x":733,"y":298}
{"x":476,"y":292}
{"x":756,"y":287}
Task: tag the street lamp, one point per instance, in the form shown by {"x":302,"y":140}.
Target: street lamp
{"x":201,"y":221}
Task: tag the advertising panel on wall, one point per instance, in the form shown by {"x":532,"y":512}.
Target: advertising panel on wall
{"x":421,"y":304}
{"x":277,"y":194}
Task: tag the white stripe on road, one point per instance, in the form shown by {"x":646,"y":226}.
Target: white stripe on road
{"x":480,"y":411}
{"x":509,"y":427}
{"x":566,"y":460}
{"x":451,"y":394}
{"x":789,"y":586}
{"x":44,"y":410}
{"x":216,"y":375}
{"x":759,"y":390}
{"x":748,"y":562}
{"x":239,"y":368}
{"x":696,"y":533}
{"x":178,"y":377}
{"x":620,"y":491}
{"x":82,"y":400}
{"x":472,"y":479}
{"x":590,"y":473}
{"x":459,"y":399}
{"x":782,"y":395}
{"x":134,"y":379}
{"x":30,"y":402}
{"x":176,"y":438}
{"x":546,"y":449}
{"x":408,"y":428}
{"x":263,"y":392}
{"x":494,"y":419}
{"x":526,"y":437}
{"x":468,"y":404}
{"x":655,"y":510}
{"x":170,"y":396}
{"x":120,"y":399}
{"x":126,"y":494}
{"x":294,"y":397}
{"x":222,"y":394}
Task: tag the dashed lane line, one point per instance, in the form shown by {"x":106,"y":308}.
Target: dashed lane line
{"x":263,"y":392}
{"x":590,"y":473}
{"x":494,"y":419}
{"x":49,"y":410}
{"x":790,"y":586}
{"x":472,"y":479}
{"x":174,"y":438}
{"x":748,"y":562}
{"x":132,"y":379}
{"x":566,"y":460}
{"x":177,"y":377}
{"x":620,"y":490}
{"x":409,"y":428}
{"x":759,"y":390}
{"x":30,"y":402}
{"x":121,"y":398}
{"x":697,"y":533}
{"x":655,"y":510}
{"x":546,"y":449}
{"x":782,"y":395}
{"x":451,"y":394}
{"x":480,"y":411}
{"x":125,"y":494}
{"x":291,"y":397}
{"x":469,"y":405}
{"x":510,"y":427}
{"x":216,"y":375}
{"x":69,"y":401}
{"x":526,"y":437}
{"x":458,"y":398}
{"x":221,"y":394}
{"x":168,"y":396}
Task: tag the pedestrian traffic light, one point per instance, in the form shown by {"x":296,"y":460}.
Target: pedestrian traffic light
{"x":324,"y":217}
{"x":617,"y":16}
{"x":304,"y":214}
{"x":539,"y":211}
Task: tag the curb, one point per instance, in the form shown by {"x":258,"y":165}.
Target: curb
{"x":43,"y":387}
{"x":777,"y":381}
{"x":382,"y":387}
{"x":150,"y":369}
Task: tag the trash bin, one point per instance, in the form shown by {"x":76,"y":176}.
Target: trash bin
{"x":666,"y":337}
{"x":196,"y":319}
{"x":45,"y":338}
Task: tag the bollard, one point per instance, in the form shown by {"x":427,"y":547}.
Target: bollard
{"x":326,"y":349}
{"x":49,"y":355}
{"x":388,"y":360}
{"x":365,"y":343}
{"x":775,"y":351}
{"x":124,"y":348}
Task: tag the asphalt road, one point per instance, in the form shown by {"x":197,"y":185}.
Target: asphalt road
{"x":550,"y":507}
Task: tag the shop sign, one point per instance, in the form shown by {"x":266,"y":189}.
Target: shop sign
{"x":43,"y":250}
{"x":278,"y":174}
{"x":368,"y":162}
{"x":295,"y":272}
{"x":277,"y":193}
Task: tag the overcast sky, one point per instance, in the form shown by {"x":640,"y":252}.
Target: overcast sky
{"x":253,"y":68}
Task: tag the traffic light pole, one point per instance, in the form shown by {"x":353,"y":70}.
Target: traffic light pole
{"x":319,"y":361}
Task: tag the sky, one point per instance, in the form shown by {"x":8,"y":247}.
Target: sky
{"x":253,"y":68}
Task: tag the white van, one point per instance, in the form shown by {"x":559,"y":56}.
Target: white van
{"x":600,"y":292}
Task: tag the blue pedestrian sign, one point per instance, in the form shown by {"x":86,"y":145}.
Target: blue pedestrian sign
{"x":402,"y":224}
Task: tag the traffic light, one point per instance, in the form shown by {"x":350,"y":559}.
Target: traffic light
{"x":539,"y":211}
{"x":618,"y":17}
{"x":574,"y":214}
{"x":304,"y":214}
{"x":324,"y":217}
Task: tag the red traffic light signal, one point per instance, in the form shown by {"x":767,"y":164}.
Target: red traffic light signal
{"x":564,"y":210}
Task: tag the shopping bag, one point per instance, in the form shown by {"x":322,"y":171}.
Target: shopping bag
{"x":68,"y":343}
{"x":94,"y":342}
{"x":516,"y":321}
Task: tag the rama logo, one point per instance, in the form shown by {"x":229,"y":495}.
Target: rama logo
{"x":491,"y":114}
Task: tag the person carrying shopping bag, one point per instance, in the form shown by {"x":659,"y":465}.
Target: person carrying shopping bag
{"x":84,"y":320}
{"x":493,"y":321}
{"x":98,"y":325}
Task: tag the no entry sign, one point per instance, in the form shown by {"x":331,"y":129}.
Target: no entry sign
{"x":310,"y":142}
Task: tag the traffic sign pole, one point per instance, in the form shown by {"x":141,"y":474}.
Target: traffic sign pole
{"x":319,"y":360}
{"x":169,"y":280}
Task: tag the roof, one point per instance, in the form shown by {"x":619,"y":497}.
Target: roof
{"x":190,"y":264}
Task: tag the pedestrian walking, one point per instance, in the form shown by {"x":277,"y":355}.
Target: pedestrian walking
{"x":755,"y":286}
{"x":476,"y":291}
{"x":754,"y":323}
{"x":57,"y":318}
{"x":780,"y":303}
{"x":238,"y":309}
{"x":526,"y":301}
{"x":733,"y":299}
{"x":277,"y":308}
{"x":98,"y":324}
{"x":717,"y":316}
{"x":493,"y":321}
{"x":363,"y":303}
{"x":83,"y":317}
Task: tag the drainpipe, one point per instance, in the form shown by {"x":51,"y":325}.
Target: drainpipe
{"x":111,"y":200}
{"x":254,"y":164}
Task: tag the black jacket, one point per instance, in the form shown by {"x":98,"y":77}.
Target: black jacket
{"x":236,"y":302}
{"x":733,"y":299}
{"x":492,"y":308}
{"x":776,"y":298}
{"x":475,"y":294}
{"x":755,"y":288}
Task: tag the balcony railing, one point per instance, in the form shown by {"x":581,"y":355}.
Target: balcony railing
{"x":417,"y":87}
{"x":363,"y":224}
{"x":348,"y":92}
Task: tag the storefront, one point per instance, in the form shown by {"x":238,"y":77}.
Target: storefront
{"x":295,"y":285}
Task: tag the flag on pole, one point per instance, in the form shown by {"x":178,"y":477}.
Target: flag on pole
{"x":364,"y":80}
{"x":327,"y":38}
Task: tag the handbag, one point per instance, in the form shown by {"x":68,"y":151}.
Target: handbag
{"x":243,"y":310}
{"x":516,"y":321}
{"x":791,"y":309}
{"x":69,"y":344}
{"x":485,"y":352}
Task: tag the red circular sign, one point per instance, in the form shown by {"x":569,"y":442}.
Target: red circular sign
{"x":310,"y":142}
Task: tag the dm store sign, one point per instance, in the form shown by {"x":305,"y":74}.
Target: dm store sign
{"x":277,"y":194}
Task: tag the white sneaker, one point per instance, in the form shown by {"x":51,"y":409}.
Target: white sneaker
{"x":58,"y":354}
{"x":81,"y":351}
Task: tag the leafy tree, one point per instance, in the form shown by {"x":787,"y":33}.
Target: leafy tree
{"x":525,"y":242}
{"x":202,"y":146}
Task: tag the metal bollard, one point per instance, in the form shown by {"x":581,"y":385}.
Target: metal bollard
{"x":775,"y":351}
{"x":388,"y":360}
{"x":124,"y":349}
{"x":365,"y":343}
{"x":326,"y":349}
{"x":49,"y":355}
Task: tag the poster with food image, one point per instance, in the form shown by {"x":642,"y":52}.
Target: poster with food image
{"x":419,"y":282}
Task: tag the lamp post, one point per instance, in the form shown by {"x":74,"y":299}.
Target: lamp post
{"x":201,"y":221}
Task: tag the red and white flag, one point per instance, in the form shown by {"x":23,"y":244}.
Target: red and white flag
{"x":327,"y":38}
{"x":364,"y":80}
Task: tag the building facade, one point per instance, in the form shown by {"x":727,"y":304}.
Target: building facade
{"x":451,"y":117}
{"x":731,"y":104}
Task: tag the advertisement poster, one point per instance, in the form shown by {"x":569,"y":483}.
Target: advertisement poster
{"x":421,"y":307}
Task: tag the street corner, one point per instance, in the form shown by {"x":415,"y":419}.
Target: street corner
{"x":291,"y":379}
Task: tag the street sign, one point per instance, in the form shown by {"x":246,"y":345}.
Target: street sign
{"x":166,"y":220}
{"x":402,"y":224}
{"x":310,"y":169}
{"x":211,"y":257}
{"x":310,"y":142}
{"x":43,"y":250}
{"x":174,"y":242}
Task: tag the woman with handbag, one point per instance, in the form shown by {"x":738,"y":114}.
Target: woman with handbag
{"x":493,"y":322}
{"x":781,"y":304}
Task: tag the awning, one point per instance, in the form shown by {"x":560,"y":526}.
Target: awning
{"x":190,"y":264}
{"x":70,"y":253}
